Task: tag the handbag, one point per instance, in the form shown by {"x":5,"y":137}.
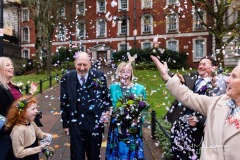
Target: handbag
{"x":2,"y":121}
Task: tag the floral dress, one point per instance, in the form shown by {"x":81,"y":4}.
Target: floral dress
{"x":125,"y":142}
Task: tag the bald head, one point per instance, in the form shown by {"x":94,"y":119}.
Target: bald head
{"x":82,"y":63}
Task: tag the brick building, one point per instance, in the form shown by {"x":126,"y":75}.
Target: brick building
{"x":102,"y":27}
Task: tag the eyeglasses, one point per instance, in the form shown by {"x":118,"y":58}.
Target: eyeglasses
{"x":126,"y":71}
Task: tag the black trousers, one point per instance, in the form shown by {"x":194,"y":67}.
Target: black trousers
{"x":85,"y":142}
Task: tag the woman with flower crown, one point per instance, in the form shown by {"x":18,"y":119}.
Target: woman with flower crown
{"x":125,"y":131}
{"x":25,"y":133}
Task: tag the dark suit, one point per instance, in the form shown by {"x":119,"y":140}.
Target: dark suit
{"x":6,"y":100}
{"x":173,"y":116}
{"x":82,"y":107}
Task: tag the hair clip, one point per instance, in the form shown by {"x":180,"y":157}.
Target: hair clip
{"x":22,"y":103}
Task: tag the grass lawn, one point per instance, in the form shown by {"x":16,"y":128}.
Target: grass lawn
{"x":157,"y":94}
{"x":27,"y":79}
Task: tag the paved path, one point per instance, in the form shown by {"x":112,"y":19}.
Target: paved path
{"x":49,"y":105}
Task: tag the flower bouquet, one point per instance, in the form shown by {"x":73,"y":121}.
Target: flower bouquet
{"x":47,"y":150}
{"x":128,"y":112}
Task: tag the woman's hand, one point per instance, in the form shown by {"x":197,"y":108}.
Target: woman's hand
{"x":162,"y":68}
{"x":33,"y":88}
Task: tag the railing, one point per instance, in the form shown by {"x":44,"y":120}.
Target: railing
{"x":154,"y":121}
{"x":40,"y":83}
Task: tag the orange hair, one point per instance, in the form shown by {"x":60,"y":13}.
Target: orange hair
{"x":15,"y":116}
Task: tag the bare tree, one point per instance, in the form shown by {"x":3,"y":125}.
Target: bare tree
{"x":226,"y":20}
{"x":45,"y":14}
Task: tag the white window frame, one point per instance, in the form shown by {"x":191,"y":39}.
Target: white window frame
{"x":62,"y":11}
{"x":83,"y":48}
{"x":170,"y":20}
{"x":78,"y":9}
{"x":146,"y":41}
{"x":171,"y":2}
{"x":28,"y":53}
{"x":61,"y":36}
{"x":143,"y":26}
{"x":146,"y":4}
{"x":25,"y":36}
{"x":25,"y":14}
{"x":169,"y":47}
{"x":122,"y":43}
{"x":196,"y":20}
{"x":123,"y":6}
{"x":101,"y":9}
{"x":122,"y":27}
{"x":83,"y":36}
{"x":99,"y":30}
{"x":204,"y":52}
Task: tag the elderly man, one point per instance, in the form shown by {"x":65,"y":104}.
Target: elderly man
{"x":84,"y":104}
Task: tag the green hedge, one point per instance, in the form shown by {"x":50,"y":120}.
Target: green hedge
{"x":174,"y":59}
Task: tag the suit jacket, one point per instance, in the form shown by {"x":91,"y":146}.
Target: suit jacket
{"x":221,"y":140}
{"x":177,"y":111}
{"x":221,"y":85}
{"x":100,"y":100}
{"x":116,"y":93}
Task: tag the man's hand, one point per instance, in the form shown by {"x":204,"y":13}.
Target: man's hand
{"x":162,"y":68}
{"x":66,"y":130}
{"x":192,"y":121}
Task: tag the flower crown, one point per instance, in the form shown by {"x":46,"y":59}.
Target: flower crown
{"x":22,"y":103}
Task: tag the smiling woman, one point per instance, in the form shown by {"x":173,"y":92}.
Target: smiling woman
{"x":8,"y":93}
{"x":125,"y":131}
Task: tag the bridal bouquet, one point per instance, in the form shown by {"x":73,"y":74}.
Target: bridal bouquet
{"x":128,"y":112}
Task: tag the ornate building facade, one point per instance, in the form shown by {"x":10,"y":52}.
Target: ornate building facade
{"x":103,"y":27}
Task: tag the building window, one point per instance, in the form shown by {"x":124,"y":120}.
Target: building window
{"x":197,"y":21}
{"x":62,"y":12}
{"x":172,"y":45}
{"x":122,"y":47}
{"x":25,"y":53}
{"x":146,"y":3}
{"x":123,"y":4}
{"x":172,"y":22}
{"x":25,"y":14}
{"x":61,"y":32}
{"x":171,"y":2}
{"x":146,"y":45}
{"x":80,"y":8}
{"x":25,"y":35}
{"x":101,"y":29}
{"x":147,"y":25}
{"x":80,"y":31}
{"x":199,"y":49}
{"x":101,"y":5}
{"x":123,"y":29}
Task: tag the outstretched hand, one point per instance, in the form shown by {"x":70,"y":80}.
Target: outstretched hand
{"x":33,"y":88}
{"x":162,"y":68}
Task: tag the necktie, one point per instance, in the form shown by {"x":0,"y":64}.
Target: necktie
{"x":82,"y":80}
{"x":197,"y":84}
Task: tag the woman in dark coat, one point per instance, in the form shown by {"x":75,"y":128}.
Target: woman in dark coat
{"x":8,"y":93}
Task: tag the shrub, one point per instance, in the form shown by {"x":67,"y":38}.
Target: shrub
{"x":175,"y":59}
{"x":164,"y":141}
